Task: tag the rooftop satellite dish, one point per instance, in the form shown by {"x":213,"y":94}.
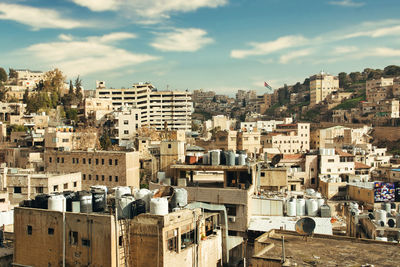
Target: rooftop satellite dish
{"x":391,"y":223}
{"x":382,"y":223}
{"x":305,"y":226}
{"x":371,"y":216}
{"x":276,"y":159}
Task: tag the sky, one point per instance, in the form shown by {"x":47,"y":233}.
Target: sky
{"x":219,"y":45}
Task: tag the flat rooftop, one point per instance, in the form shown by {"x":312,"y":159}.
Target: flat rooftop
{"x":324,"y":250}
{"x":210,"y":167}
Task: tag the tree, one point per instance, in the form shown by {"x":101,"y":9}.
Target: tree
{"x":25,"y":97}
{"x":71,"y":114}
{"x":3,"y":92}
{"x":53,"y":81}
{"x":343,"y":79}
{"x":78,"y":89}
{"x":12,"y":73}
{"x":3,"y":75}
{"x":392,"y":70}
{"x":71,"y":88}
{"x":355,"y":76}
{"x":105,"y":141}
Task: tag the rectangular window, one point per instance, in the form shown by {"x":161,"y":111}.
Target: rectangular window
{"x":126,"y":132}
{"x":97,"y":161}
{"x":84,"y":161}
{"x":110,"y":161}
{"x":89,"y":161}
{"x":65,"y":140}
{"x":85,"y":242}
{"x":331,"y":160}
{"x":73,"y":160}
{"x":126,"y":122}
{"x":50,"y":231}
{"x":55,"y":188}
{"x":97,"y":177}
{"x":77,"y":161}
{"x":50,"y":159}
{"x":62,"y":160}
{"x":58,"y":160}
{"x":75,"y":184}
{"x":262,"y":174}
{"x":17,"y":190}
{"x":116,"y":178}
{"x":39,"y":190}
{"x":83,"y":176}
{"x":90,"y":177}
{"x":102,"y":177}
{"x":231,"y":209}
{"x":110,"y":178}
{"x":29,"y":229}
{"x":102,"y":161}
{"x":73,"y":238}
{"x":116,"y":162}
{"x":66,"y":186}
{"x":169,"y":145}
{"x":293,"y":187}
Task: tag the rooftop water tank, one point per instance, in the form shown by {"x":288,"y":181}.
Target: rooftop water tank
{"x":325,"y":211}
{"x":85,"y":199}
{"x":312,"y":207}
{"x":160,"y":176}
{"x":138,"y":207}
{"x":122,"y":190}
{"x":291,"y":208}
{"x":231,"y":158}
{"x":41,"y":201}
{"x":387,"y":207}
{"x":99,"y":199}
{"x":70,"y":197}
{"x":301,"y":207}
{"x":159,"y":206}
{"x":206,"y":159}
{"x":57,"y":203}
{"x":124,"y":205}
{"x":320,"y":202}
{"x":145,"y":195}
{"x":242,"y":159}
{"x":310,"y":191}
{"x":180,"y":198}
{"x":380,"y":215}
{"x":215,"y":157}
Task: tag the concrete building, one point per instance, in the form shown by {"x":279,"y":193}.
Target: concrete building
{"x":321,"y":85}
{"x":37,"y":121}
{"x":334,"y":163}
{"x":67,"y":138}
{"x":11,"y":109}
{"x":249,"y":141}
{"x":226,"y":140}
{"x":171,"y":152}
{"x":378,"y":89}
{"x":157,"y":107}
{"x":339,"y":136}
{"x":97,"y":108}
{"x":124,"y":124}
{"x":23,"y":157}
{"x":111,"y":168}
{"x":261,"y":126}
{"x":24,"y":184}
{"x":288,"y":138}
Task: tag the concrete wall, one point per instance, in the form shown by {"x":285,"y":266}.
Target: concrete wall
{"x":361,"y":194}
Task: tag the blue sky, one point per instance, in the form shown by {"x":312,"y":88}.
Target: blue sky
{"x":220,"y":45}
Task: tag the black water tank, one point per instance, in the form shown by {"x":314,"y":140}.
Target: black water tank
{"x":69,"y":197}
{"x":98,"y":200}
{"x":140,"y":207}
{"x":41,"y":201}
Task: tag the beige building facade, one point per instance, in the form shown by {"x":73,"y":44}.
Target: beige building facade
{"x":321,"y":85}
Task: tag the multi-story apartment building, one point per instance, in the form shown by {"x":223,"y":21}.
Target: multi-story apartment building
{"x":111,"y":168}
{"x":11,"y":109}
{"x":378,"y":89}
{"x":37,"y":121}
{"x":264,"y":102}
{"x":335,"y":162}
{"x":66,"y":138}
{"x":124,"y":123}
{"x":201,"y":95}
{"x":249,"y":141}
{"x":288,"y":138}
{"x":97,"y":108}
{"x":173,"y":108}
{"x":263,"y":126}
{"x":339,"y":136}
{"x":321,"y":85}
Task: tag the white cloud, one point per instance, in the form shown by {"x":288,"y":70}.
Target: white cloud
{"x":344,"y":50}
{"x":347,"y":3}
{"x":98,"y":5}
{"x":286,"y":58}
{"x":149,"y":11}
{"x":270,"y":47}
{"x":37,"y":18}
{"x":387,"y":52}
{"x":112,"y":37}
{"x":90,"y":55}
{"x":65,"y":37}
{"x":183,"y":40}
{"x":375,"y":33}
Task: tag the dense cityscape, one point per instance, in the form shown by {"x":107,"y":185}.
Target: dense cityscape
{"x":273,"y":154}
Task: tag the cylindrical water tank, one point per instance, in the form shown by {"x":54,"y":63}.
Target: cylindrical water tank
{"x":57,"y":203}
{"x":242,"y":159}
{"x":223,"y":157}
{"x":85,"y":199}
{"x":291,"y":208}
{"x":139,"y":207}
{"x":205,"y":159}
{"x":180,"y":198}
{"x":76,"y":206}
{"x":160,"y":176}
{"x":355,"y":212}
{"x":41,"y":201}
{"x":320,"y":202}
{"x":70,"y":197}
{"x":122,"y":190}
{"x":231,"y":158}
{"x":312,"y":207}
{"x":124,"y":205}
{"x":145,"y":195}
{"x":99,"y":200}
{"x":310,"y":191}
{"x":215,"y":157}
{"x":380,"y":215}
{"x":318,"y":194}
{"x":301,"y":207}
{"x":159,"y":206}
{"x":167,"y":181}
{"x":398,"y":221}
{"x":387,"y":207}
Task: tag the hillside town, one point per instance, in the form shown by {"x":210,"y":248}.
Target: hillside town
{"x":138,"y":176}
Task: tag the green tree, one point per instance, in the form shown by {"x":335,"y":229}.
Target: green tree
{"x":71,"y":88}
{"x":343,"y":80}
{"x":71,"y":114}
{"x":3,"y":75}
{"x":355,"y":76}
{"x":78,"y":89}
{"x":12,"y":73}
{"x":392,"y":70}
{"x":105,"y":141}
{"x":25,"y":97}
{"x":53,"y":81}
{"x":3,"y":92}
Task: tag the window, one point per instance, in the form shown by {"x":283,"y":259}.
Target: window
{"x":50,"y":231}
{"x":169,"y":145}
{"x":55,"y":188}
{"x":116,"y":162}
{"x":110,"y":161}
{"x":102,"y":161}
{"x":62,"y":160}
{"x":77,"y":161}
{"x":90,"y":177}
{"x":89,"y":161}
{"x":58,"y":160}
{"x":116,"y":178}
{"x":66,"y":186}
{"x":126,"y":122}
{"x":39,"y":190}
{"x":293,"y":187}
{"x":102,"y":177}
{"x":73,"y":238}
{"x":97,"y":177}
{"x":312,"y":180}
{"x":75,"y":184}
{"x":329,"y":170}
{"x":231,"y":210}
{"x":97,"y":161}
{"x":65,"y":140}
{"x":73,"y":160}
{"x":84,"y":161}
{"x":50,"y":159}
{"x":85,"y":242}
{"x":29,"y":229}
{"x":262,"y":174}
{"x":83,"y":176}
{"x":17,"y":190}
{"x":110,"y":178}
{"x":331,"y":160}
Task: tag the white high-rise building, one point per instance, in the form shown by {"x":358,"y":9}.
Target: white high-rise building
{"x":156,"y":107}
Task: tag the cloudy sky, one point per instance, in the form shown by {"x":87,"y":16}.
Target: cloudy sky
{"x":220,"y":45}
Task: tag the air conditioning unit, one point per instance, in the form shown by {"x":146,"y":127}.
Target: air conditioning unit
{"x":232,"y":218}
